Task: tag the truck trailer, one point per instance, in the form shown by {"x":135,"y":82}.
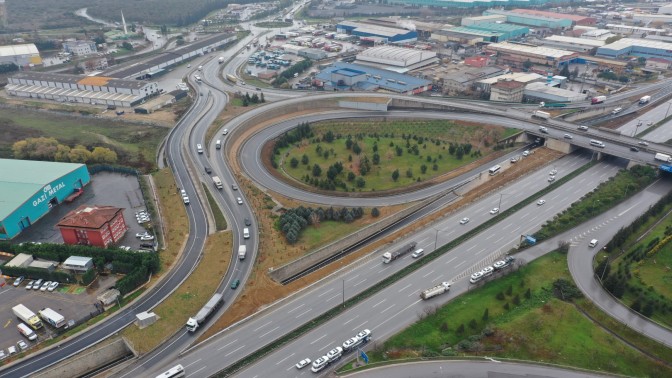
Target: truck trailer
{"x":436,"y":290}
{"x":663,"y":157}
{"x":598,"y":100}
{"x":217,"y":182}
{"x":540,"y":114}
{"x":231,"y":78}
{"x":204,"y":313}
{"x":242,"y":251}
{"x":52,"y":317}
{"x":22,"y":312}
{"x":391,"y":256}
{"x":644,"y":100}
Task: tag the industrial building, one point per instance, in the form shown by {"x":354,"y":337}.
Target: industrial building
{"x":517,"y":54}
{"x":597,"y":34}
{"x":78,"y":263}
{"x":377,"y":32}
{"x":449,"y":35}
{"x":80,"y":48}
{"x":537,"y":92}
{"x":24,"y":56}
{"x":471,"y":21}
{"x":521,"y":77}
{"x":73,"y":88}
{"x":506,"y":90}
{"x":397,"y":59}
{"x":506,"y":31}
{"x":98,"y":226}
{"x":313,"y":54}
{"x":24,"y":260}
{"x":342,"y":76}
{"x":29,"y":189}
{"x":462,"y":81}
{"x":575,"y":18}
{"x":639,"y":30}
{"x":636,"y":47}
{"x":536,"y":21}
{"x":580,"y":45}
{"x":468,"y":4}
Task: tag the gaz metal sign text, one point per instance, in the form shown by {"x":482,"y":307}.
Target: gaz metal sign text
{"x":48,"y":192}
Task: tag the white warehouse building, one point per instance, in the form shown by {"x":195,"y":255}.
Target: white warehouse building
{"x":397,"y":59}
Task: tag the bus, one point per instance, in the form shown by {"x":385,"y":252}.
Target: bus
{"x":597,"y":143}
{"x":494,"y":170}
{"x":174,"y":372}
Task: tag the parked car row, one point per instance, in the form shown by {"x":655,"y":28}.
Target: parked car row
{"x":12,"y":350}
{"x":38,"y":284}
{"x":335,"y":354}
{"x":142,"y":216}
{"x":488,"y":270}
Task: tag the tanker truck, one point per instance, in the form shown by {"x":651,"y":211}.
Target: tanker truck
{"x":436,"y":290}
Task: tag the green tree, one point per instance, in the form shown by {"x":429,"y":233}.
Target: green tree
{"x":473,"y":324}
{"x":356,"y":148}
{"x":79,"y":154}
{"x":395,"y":175}
{"x":304,"y":159}
{"x":486,"y":315}
{"x":360,"y":182}
{"x":103,"y":155}
{"x":375,"y":212}
{"x":294,"y":162}
{"x":423,"y":169}
{"x":317,"y":171}
{"x":409,"y":173}
{"x":351,"y":176}
{"x":565,"y":71}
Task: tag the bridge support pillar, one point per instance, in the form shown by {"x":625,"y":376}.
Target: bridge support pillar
{"x":560,"y":145}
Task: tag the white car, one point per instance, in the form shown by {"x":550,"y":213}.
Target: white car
{"x":303,"y":363}
{"x":551,"y":179}
{"x":643,"y":143}
{"x":418,"y":252}
{"x":147,"y":237}
{"x":553,"y":172}
{"x":541,"y":202}
{"x":487,"y":271}
{"x":494,"y":211}
{"x":141,"y":234}
{"x":225,"y":131}
{"x":185,"y":199}
{"x":364,"y":334}
{"x":30,"y":285}
{"x":37,"y":284}
{"x":18,"y":281}
{"x":464,"y":220}
{"x":45,"y":286}
{"x":526,"y":153}
{"x":239,"y":200}
{"x":22,"y":345}
{"x":476,"y":277}
{"x":2,"y":354}
{"x":11,"y":350}
{"x":350,"y":342}
{"x":183,"y":192}
{"x":53,"y":286}
{"x":568,"y":136}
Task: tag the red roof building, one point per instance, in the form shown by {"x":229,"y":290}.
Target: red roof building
{"x":576,"y":19}
{"x":93,"y":225}
{"x":479,"y":61}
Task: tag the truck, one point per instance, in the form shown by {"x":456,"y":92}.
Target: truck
{"x":22,"y":312}
{"x":388,"y":257}
{"x":552,"y":105}
{"x":26,"y":331}
{"x":242,"y":251}
{"x":436,"y":290}
{"x":663,"y":157}
{"x":540,"y":114}
{"x":644,"y":100}
{"x":598,"y":100}
{"x":231,"y":78}
{"x":217,"y":182}
{"x":204,"y":313}
{"x":52,"y":317}
{"x":220,"y":60}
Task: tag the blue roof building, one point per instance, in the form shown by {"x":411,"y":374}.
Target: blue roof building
{"x":342,"y":76}
{"x":636,"y":47}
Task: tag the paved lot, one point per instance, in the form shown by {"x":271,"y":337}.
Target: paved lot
{"x":111,"y":189}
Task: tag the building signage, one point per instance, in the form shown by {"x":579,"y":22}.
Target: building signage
{"x":48,"y":192}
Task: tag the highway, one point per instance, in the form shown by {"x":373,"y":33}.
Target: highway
{"x":235,"y":343}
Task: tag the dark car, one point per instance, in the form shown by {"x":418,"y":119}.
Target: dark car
{"x":234,"y":284}
{"x":147,"y":245}
{"x":208,"y":170}
{"x":635,"y":149}
{"x":248,"y":222}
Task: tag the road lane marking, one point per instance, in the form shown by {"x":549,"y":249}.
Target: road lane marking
{"x":491,"y":235}
{"x":324,"y":293}
{"x":296,"y":308}
{"x":196,"y":371}
{"x":303,"y":313}
{"x":481,"y":251}
{"x":197,"y":361}
{"x":360,"y":282}
{"x":507,"y":226}
{"x":234,"y":351}
{"x":451,"y":260}
{"x":460,"y":264}
{"x":262,"y":326}
{"x":261,"y":336}
{"x":497,"y":241}
{"x":374,"y":306}
{"x":334,"y":296}
{"x":387,"y":309}
{"x":399,"y":312}
{"x":404,"y":288}
{"x":425,"y":276}
{"x":472,"y":247}
{"x":314,"y":341}
{"x":351,"y":320}
{"x":359,"y":326}
{"x":227,"y":345}
{"x":352,"y":278}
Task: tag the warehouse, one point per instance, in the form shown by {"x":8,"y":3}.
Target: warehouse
{"x":537,"y":92}
{"x":636,"y":47}
{"x":386,"y":34}
{"x":471,"y":21}
{"x":521,"y":77}
{"x":29,"y":189}
{"x":639,"y":30}
{"x":531,"y":20}
{"x":449,"y":35}
{"x":397,"y":59}
{"x":517,"y":54}
{"x":574,"y":18}
{"x":73,"y":88}
{"x":22,"y":55}
{"x":580,"y":45}
{"x":349,"y":77}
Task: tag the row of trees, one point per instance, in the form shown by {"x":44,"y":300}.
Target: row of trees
{"x":295,"y":220}
{"x":254,"y":99}
{"x":289,"y":73}
{"x":49,"y":149}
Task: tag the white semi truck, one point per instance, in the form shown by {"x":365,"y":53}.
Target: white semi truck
{"x":540,"y":114}
{"x":391,"y":256}
{"x":663,"y":157}
{"x":242,"y":251}
{"x":204,"y":313}
{"x":217,"y":182}
{"x":436,"y":290}
{"x":22,"y":312}
{"x":644,"y":100}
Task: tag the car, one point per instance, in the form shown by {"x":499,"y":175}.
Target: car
{"x":11,"y":350}
{"x":45,"y":286}
{"x":225,"y":131}
{"x":141,"y":234}
{"x":147,"y":237}
{"x":364,"y":334}
{"x":643,"y":143}
{"x":551,"y":178}
{"x":335,"y":354}
{"x":52,"y":286}
{"x":257,"y":88}
{"x":303,"y":363}
{"x":208,"y":170}
{"x":476,"y":277}
{"x":188,"y":65}
{"x":568,"y":136}
{"x":501,"y":264}
{"x":418,"y":252}
{"x":593,"y":243}
{"x":526,"y":153}
{"x":634,"y":149}
{"x":2,"y":354}
{"x":583,"y":128}
{"x":18,"y":281}
{"x":234,"y":284}
{"x":30,"y":285}
{"x":239,"y":200}
{"x":22,"y":345}
{"x":125,"y":247}
{"x":541,"y":202}
{"x":616,"y":111}
{"x":464,"y":220}
{"x":494,"y":211}
{"x":487,"y":271}
{"x":234,"y":187}
{"x":514,"y":160}
{"x":185,"y":199}
{"x":183,"y":192}
{"x":248,"y":222}
{"x":37,"y":284}
{"x":553,"y":172}
{"x":350,"y":342}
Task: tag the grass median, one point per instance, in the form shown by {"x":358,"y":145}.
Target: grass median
{"x":220,"y":220}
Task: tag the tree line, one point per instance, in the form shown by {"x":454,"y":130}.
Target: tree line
{"x":295,"y":220}
{"x":49,"y":149}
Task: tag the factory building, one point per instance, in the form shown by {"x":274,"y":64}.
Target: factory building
{"x":468,"y":4}
{"x":80,"y":48}
{"x":517,"y":54}
{"x":465,"y":80}
{"x":72,"y":88}
{"x":535,"y":21}
{"x":521,"y":77}
{"x":24,"y":56}
{"x":449,"y":35}
{"x":580,"y":45}
{"x":471,"y":21}
{"x":636,"y":47}
{"x":342,"y":76}
{"x":507,"y":90}
{"x":381,"y":33}
{"x":507,"y":31}
{"x":597,"y":34}
{"x":575,"y":18}
{"x":99,"y":226}
{"x":537,"y":92}
{"x":638,"y":30}
{"x":397,"y":59}
{"x":29,"y":190}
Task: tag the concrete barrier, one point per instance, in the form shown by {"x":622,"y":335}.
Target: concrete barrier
{"x":89,"y":361}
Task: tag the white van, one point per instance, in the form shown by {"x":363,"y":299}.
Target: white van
{"x":616,"y":111}
{"x":199,"y":148}
{"x":26,"y":331}
{"x":246,"y":233}
{"x":218,"y":145}
{"x":593,"y":243}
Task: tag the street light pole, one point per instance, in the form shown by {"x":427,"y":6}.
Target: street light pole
{"x":668,"y":109}
{"x":436,"y":238}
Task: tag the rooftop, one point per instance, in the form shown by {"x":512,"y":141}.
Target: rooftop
{"x":624,"y":43}
{"x":77,"y":260}
{"x":530,"y":49}
{"x":20,"y":179}
{"x":508,"y":84}
{"x":375,"y":77}
{"x":374,"y":29}
{"x":473,"y":31}
{"x":82,"y":80}
{"x":396,"y":53}
{"x":523,"y":77}
{"x":87,"y":216}
{"x":25,"y":49}
{"x":575,"y":18}
{"x":575,"y":41}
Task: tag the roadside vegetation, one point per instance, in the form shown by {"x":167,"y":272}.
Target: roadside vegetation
{"x":635,"y":265}
{"x":361,"y":156}
{"x":526,"y":315}
{"x":220,"y":220}
{"x":273,"y":24}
